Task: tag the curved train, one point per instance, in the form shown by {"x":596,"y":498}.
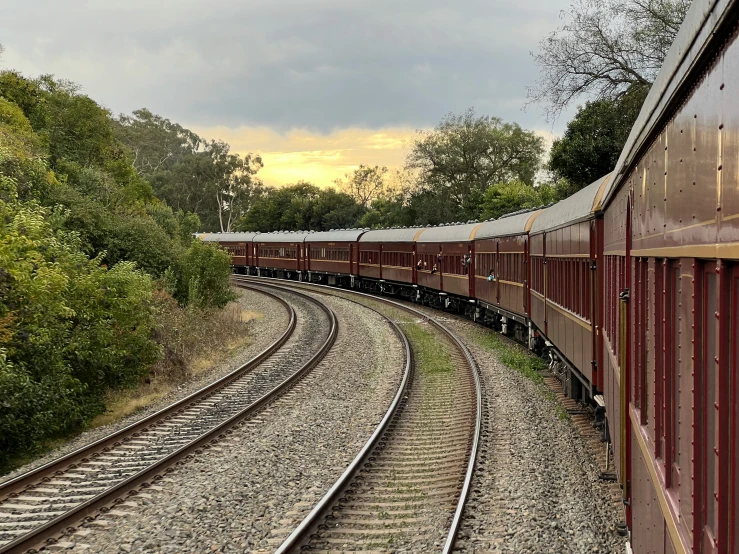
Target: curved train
{"x":632,"y":284}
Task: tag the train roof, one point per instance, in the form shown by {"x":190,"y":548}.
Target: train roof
{"x":449,"y":233}
{"x":281,"y":236}
{"x":226,"y":237}
{"x":578,"y":206}
{"x":399,"y":234}
{"x":514,"y":224}
{"x":707,"y":22}
{"x":339,"y":235}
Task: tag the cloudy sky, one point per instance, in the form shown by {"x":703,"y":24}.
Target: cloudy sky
{"x":316,"y":86}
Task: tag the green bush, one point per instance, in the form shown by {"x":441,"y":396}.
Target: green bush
{"x":69,"y":328}
{"x":204,"y":277}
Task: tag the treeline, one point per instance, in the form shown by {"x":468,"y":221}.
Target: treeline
{"x":470,"y":167}
{"x":90,"y":259}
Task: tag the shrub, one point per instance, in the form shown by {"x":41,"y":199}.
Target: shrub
{"x":204,"y":277}
{"x":69,"y":328}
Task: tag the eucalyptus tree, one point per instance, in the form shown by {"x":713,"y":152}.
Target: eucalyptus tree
{"x":463,"y":156}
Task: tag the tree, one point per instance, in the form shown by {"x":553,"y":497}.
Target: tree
{"x":388,"y":211}
{"x":594,"y":138}
{"x":190,"y":173}
{"x":605,"y":48}
{"x":302,"y":206}
{"x":465,"y":154}
{"x":233,"y":181}
{"x":364,"y":184}
{"x":505,"y":198}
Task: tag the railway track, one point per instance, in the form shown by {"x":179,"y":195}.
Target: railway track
{"x":407,"y":487}
{"x":47,"y":502}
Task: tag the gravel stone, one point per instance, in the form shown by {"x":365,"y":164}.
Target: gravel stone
{"x":536,"y":486}
{"x":250,"y":491}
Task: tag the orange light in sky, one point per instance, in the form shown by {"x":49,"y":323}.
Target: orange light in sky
{"x":320,"y":159}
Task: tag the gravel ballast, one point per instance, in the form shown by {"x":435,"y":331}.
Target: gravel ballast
{"x":265,"y":328}
{"x":249,"y":492}
{"x":536,"y":487}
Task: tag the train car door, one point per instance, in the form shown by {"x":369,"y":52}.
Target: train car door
{"x":625,"y":381}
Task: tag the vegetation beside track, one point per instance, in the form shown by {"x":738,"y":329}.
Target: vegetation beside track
{"x":519,"y":359}
{"x":93,"y":267}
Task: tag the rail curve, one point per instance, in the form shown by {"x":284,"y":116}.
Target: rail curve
{"x":48,"y":501}
{"x":314,"y":532}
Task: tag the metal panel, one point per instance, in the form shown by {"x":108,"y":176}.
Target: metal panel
{"x":449,"y":233}
{"x":507,"y":225}
{"x":290,"y":237}
{"x":700,"y":27}
{"x":227,"y":237}
{"x":571,"y":209}
{"x":648,"y":532}
{"x":338,"y":235}
{"x":391,"y":235}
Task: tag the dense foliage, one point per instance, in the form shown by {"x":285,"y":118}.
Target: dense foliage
{"x":301,"y":206}
{"x":593,"y":140}
{"x":190,"y":173}
{"x":84,"y":243}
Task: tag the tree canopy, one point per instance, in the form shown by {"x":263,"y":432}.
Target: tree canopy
{"x":604,"y":49}
{"x":302,"y":206}
{"x":593,"y":140}
{"x":86,"y":247}
{"x":188,"y":172}
{"x":365,"y":184}
{"x":466,"y":154}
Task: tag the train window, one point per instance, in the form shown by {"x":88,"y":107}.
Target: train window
{"x":710,"y":372}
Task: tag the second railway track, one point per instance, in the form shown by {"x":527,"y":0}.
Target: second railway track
{"x":405,"y":491}
{"x":44,"y":503}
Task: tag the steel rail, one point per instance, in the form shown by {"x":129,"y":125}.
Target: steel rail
{"x":17,"y":485}
{"x":311,"y":521}
{"x":41,"y":535}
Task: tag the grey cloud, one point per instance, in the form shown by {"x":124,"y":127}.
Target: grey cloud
{"x":321,"y":65}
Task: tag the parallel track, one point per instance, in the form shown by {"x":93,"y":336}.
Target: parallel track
{"x":416,"y":468}
{"x":48,"y":501}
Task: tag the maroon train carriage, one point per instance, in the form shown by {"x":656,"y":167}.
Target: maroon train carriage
{"x":671,"y":332}
{"x":239,"y":245}
{"x":333,"y":256}
{"x":447,"y":254}
{"x":501,"y":273}
{"x":280,"y":254}
{"x":565,"y":244}
{"x":394,"y":254}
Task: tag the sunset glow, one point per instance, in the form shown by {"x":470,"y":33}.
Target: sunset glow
{"x":320,"y":159}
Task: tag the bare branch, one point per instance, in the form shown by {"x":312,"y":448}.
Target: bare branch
{"x":604,"y":48}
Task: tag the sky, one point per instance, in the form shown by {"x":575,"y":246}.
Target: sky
{"x":316,"y":87}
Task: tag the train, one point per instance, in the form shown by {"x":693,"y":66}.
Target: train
{"x":631,"y":285}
